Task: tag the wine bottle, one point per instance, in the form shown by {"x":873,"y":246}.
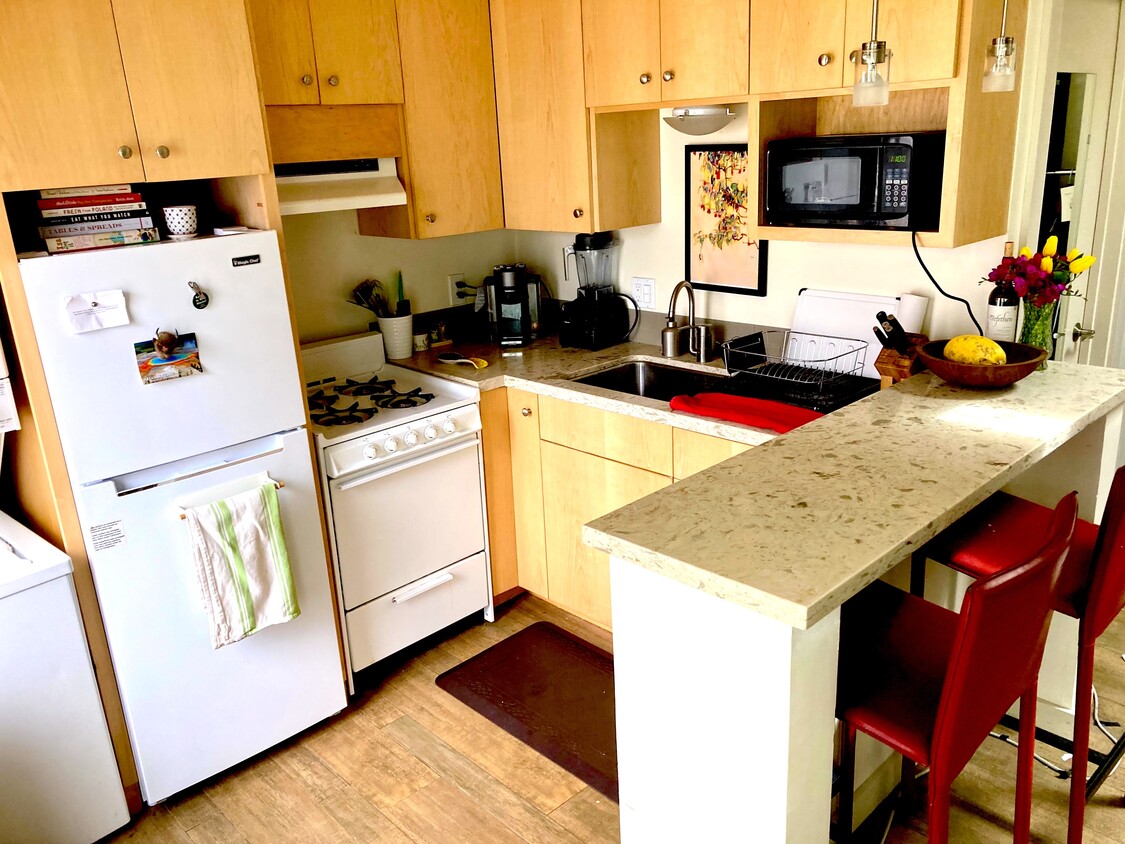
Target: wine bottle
{"x":1003,"y":306}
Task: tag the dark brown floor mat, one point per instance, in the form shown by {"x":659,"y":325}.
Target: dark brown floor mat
{"x":553,"y":691}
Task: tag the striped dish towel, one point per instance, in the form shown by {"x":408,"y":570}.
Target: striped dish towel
{"x":242,"y":565}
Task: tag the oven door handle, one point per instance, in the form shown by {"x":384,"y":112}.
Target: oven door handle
{"x":472,"y":442}
{"x":421,"y":588}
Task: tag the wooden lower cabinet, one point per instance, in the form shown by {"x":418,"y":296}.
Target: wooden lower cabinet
{"x":693,"y":452}
{"x":527,"y":491}
{"x":498,"y":490}
{"x":577,"y":488}
{"x":625,"y":439}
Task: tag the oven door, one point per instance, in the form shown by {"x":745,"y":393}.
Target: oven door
{"x":817,"y":185}
{"x":403,"y":521}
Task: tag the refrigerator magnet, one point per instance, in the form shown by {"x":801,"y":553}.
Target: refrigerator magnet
{"x":167,"y":356}
{"x":200,"y":299}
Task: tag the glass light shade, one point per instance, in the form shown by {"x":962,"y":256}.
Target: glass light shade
{"x":699,"y":120}
{"x":873,"y":75}
{"x":1000,"y":66}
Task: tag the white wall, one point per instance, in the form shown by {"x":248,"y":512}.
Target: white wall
{"x":657,"y":251}
{"x":328,"y":257}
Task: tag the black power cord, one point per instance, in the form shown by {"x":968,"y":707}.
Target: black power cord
{"x":968,"y":307}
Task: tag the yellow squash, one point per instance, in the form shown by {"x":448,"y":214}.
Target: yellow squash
{"x":970,"y":348}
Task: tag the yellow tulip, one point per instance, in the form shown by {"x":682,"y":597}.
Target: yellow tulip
{"x":1072,"y":254}
{"x":1082,"y":264}
{"x":1051,"y":246}
{"x":1047,"y":265}
{"x":1026,"y":252}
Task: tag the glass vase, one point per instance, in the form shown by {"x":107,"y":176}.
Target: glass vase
{"x":1037,"y":328}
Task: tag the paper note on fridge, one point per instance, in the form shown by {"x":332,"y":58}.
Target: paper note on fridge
{"x":94,"y":311}
{"x":9,"y":417}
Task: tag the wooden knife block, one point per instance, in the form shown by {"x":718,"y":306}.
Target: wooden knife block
{"x":893,"y":366}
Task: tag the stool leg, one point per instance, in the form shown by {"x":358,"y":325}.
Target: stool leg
{"x":938,"y":814}
{"x":1025,"y":765}
{"x":918,"y":573}
{"x":845,"y":809}
{"x":1082,"y":717}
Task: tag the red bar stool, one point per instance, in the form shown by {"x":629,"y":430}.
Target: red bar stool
{"x":926,"y":682}
{"x":1091,"y":588}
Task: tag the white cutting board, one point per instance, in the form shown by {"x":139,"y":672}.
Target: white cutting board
{"x":838,"y":314}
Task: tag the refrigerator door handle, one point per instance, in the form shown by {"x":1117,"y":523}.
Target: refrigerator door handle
{"x":194,"y":474}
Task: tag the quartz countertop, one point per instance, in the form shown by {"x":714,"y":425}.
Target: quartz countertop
{"x":797,"y":526}
{"x":544,"y":368}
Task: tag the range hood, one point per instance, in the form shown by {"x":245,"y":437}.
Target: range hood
{"x":338,"y":186}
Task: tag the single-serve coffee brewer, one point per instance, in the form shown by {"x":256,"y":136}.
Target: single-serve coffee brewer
{"x":514,"y":302}
{"x":599,"y":316}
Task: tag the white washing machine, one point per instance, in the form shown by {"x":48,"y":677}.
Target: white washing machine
{"x":59,"y":780}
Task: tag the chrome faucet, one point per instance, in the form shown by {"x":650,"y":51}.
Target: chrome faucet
{"x":699,"y":338}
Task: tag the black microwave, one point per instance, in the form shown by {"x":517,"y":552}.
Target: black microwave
{"x":856,"y":181}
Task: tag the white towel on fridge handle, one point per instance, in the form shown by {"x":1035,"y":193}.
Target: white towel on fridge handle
{"x":242,"y":564}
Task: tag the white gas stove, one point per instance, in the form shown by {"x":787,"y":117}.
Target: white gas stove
{"x":389,"y":438}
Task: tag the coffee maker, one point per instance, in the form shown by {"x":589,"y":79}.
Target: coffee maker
{"x":514,"y":302}
{"x":599,"y":317}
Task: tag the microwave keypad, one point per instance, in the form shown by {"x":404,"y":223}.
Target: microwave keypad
{"x":894,"y":189}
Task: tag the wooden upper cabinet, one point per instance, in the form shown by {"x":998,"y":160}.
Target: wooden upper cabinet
{"x":64,"y":105}
{"x":190,"y":71}
{"x":450,"y":115}
{"x":356,"y":51}
{"x":704,"y":47}
{"x":622,"y":48}
{"x":798,"y":45}
{"x":651,"y":51}
{"x":541,"y":114}
{"x":922,"y":37}
{"x":284,"y":40}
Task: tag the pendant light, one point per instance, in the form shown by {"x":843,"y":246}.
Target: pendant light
{"x":1000,"y":63}
{"x":871,"y":87}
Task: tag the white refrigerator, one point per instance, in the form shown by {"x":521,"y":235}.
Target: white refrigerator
{"x":148,"y":431}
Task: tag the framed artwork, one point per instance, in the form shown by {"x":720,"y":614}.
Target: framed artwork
{"x":721,"y":255}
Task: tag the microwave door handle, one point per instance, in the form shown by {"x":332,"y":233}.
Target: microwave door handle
{"x":407,"y":464}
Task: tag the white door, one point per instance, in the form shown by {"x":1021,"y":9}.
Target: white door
{"x":193,"y":711}
{"x":112,"y":423}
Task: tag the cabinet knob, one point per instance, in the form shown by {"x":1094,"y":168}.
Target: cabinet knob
{"x":824,"y":59}
{"x":306,"y":79}
{"x":646,"y":78}
{"x":667,"y":76}
{"x":525,"y":411}
{"x":577,"y":213}
{"x":125,"y":151}
{"x":162,"y":151}
{"x":333,"y":80}
{"x":431,"y":218}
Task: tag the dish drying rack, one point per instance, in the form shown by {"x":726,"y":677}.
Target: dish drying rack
{"x":808,"y":364}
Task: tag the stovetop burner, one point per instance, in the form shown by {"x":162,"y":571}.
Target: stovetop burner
{"x":367,"y":398}
{"x":333,"y":416}
{"x":370,"y":387}
{"x":396,"y":400}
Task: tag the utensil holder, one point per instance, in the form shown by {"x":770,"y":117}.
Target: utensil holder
{"x":398,"y":336}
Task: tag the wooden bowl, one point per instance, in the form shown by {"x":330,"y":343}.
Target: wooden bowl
{"x":1022,"y":361}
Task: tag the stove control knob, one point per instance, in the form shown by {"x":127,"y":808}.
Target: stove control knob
{"x":411,"y":438}
{"x":370,"y":452}
{"x":430,"y":432}
{"x":391,"y":445}
{"x":449,"y":426}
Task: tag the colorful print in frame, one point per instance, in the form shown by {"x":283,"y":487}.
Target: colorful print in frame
{"x":721,"y":254}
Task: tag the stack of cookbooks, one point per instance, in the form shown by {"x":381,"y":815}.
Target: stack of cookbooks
{"x":94,"y":217}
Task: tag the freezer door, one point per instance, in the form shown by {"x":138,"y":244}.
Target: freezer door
{"x":112,"y":423}
{"x":193,"y":711}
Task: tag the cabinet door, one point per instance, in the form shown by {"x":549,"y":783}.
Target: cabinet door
{"x":527,"y":490}
{"x":693,"y":452}
{"x":627,"y":439}
{"x":497,"y":450}
{"x":284,"y":44}
{"x":577,"y":488}
{"x":922,"y":37}
{"x":705,"y":47}
{"x":356,"y":51}
{"x":190,"y":70}
{"x":622,"y":45}
{"x":64,"y":106}
{"x":541,"y":114}
{"x":787,"y":41}
{"x":450,"y":113}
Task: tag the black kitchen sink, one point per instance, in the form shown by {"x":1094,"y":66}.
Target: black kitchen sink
{"x":656,"y":380}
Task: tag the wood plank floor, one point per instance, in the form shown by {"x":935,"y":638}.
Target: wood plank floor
{"x":409,"y":763}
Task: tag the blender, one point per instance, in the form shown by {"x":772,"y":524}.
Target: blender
{"x":599,"y":316}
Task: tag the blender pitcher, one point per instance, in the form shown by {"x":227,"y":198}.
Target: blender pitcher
{"x":595,"y":259}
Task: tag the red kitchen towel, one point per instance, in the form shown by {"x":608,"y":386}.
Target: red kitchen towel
{"x":759,"y":413}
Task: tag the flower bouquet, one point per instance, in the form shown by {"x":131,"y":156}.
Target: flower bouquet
{"x":1040,"y":279}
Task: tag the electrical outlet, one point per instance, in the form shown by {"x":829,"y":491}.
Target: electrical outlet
{"x":644,"y":291}
{"x":453,"y":278}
